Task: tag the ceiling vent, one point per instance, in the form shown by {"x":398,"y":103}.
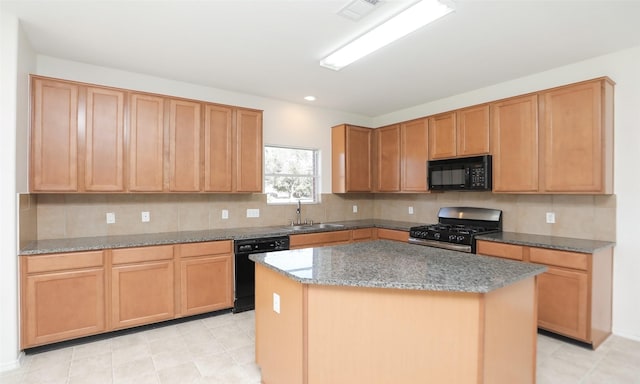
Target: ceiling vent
{"x":357,"y":9}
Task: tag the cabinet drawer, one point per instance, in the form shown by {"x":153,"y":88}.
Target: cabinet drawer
{"x":392,"y":234}
{"x":136,"y":255}
{"x":362,"y":234}
{"x":559,"y":258}
{"x":319,"y":239}
{"x":203,"y":249}
{"x":62,"y":261}
{"x":507,"y":251}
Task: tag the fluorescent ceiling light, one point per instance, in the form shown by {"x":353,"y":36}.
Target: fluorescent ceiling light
{"x":414,"y":17}
{"x":310,"y":98}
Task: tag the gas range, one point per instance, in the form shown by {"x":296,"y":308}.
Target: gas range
{"x":457,"y":228}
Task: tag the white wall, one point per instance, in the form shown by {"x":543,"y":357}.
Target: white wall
{"x":284,"y":123}
{"x":622,"y":67}
{"x":9,"y":105}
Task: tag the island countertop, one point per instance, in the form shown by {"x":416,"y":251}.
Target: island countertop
{"x":390,"y":264}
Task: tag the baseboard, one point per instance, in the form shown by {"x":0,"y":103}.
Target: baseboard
{"x":11,"y":365}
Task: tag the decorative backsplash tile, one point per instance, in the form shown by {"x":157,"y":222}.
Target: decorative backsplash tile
{"x":82,"y":215}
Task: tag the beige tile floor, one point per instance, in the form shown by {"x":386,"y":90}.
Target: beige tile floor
{"x":220,"y":349}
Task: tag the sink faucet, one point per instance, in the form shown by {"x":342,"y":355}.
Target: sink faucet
{"x":299,"y":213}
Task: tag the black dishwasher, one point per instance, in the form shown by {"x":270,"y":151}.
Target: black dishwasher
{"x":244,"y":269}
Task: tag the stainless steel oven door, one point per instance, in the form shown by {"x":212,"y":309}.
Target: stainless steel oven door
{"x":441,"y":244}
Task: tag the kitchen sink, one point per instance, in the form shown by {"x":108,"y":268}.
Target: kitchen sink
{"x":314,"y":226}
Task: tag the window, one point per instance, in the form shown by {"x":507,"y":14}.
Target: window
{"x":290,"y":174}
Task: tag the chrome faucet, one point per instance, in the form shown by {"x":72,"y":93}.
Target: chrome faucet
{"x":299,"y":213}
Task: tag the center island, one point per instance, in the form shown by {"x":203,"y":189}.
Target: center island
{"x":390,"y":312}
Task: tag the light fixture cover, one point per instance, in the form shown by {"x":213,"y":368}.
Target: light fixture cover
{"x":407,"y":21}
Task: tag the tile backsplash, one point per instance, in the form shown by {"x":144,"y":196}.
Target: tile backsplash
{"x":50,"y":216}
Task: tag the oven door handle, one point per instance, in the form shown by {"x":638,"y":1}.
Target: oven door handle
{"x":441,"y":244}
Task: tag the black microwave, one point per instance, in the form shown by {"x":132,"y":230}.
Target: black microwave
{"x":460,"y":174}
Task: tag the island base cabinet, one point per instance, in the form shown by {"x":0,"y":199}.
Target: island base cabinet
{"x":318,"y":334}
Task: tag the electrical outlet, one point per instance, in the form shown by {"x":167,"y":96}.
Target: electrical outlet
{"x":253,"y":212}
{"x":276,"y":303}
{"x":411,"y":210}
{"x":355,"y":209}
{"x":111,"y":217}
{"x":146,"y":217}
{"x":551,"y":217}
{"x":225,"y":213}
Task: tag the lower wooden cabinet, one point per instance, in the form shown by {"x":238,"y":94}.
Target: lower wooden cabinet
{"x":392,"y":234}
{"x":563,"y":302}
{"x":142,"y":289}
{"x":71,"y":295}
{"x":574,"y":295}
{"x":62,"y":297}
{"x":319,"y":239}
{"x":206,"y":277}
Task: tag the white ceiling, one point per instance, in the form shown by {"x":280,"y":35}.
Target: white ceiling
{"x":272,"y":48}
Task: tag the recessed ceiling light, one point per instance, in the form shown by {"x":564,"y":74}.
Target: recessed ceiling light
{"x":407,"y":21}
{"x":310,"y":98}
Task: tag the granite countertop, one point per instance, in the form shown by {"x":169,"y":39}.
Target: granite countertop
{"x":390,"y":264}
{"x":40,"y":247}
{"x":550,"y":242}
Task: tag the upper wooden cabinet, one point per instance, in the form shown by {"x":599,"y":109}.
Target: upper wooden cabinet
{"x":104,"y":140}
{"x":79,"y":142}
{"x":402,"y":157}
{"x":414,"y":155}
{"x":514,"y":132}
{"x":577,"y":138}
{"x":460,"y":133}
{"x":472,"y":131}
{"x":248,"y":150}
{"x":351,"y":159}
{"x":218,"y":144}
{"x":54,"y":136}
{"x":571,"y":152}
{"x":146,"y":143}
{"x":185,"y":122}
{"x":442,"y":136}
{"x":389,"y":158}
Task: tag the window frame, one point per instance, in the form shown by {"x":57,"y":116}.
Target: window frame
{"x":315,"y":176}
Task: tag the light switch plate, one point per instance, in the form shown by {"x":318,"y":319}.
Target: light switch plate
{"x":253,"y":212}
{"x":551,"y":217}
{"x":276,"y":303}
{"x":225,"y":213}
{"x":355,"y":209}
{"x":411,"y":210}
{"x":111,"y":218}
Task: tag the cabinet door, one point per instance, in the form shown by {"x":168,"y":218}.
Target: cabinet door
{"x":146,"y":143}
{"x":562,"y":302}
{"x":63,"y":305}
{"x":442,"y":136}
{"x":573,"y":138}
{"x":104,"y":140}
{"x":358,"y":159}
{"x":248,"y":150}
{"x":473,"y":131}
{"x":218,"y":123}
{"x":514,"y":131}
{"x":388,"y":139}
{"x":414,"y":150}
{"x":206,"y":284}
{"x":54,"y":136}
{"x":142,"y":293}
{"x":184,"y":146}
